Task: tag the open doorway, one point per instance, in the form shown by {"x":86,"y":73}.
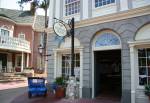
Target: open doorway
{"x":108,"y":74}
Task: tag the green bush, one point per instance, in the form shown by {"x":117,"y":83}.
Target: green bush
{"x":60,"y":81}
{"x":147,"y":89}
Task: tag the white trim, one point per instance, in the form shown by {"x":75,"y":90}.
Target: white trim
{"x":93,"y":83}
{"x":106,"y":48}
{"x":132,"y":63}
{"x":22,"y":61}
{"x":27,"y":65}
{"x":81,"y":72}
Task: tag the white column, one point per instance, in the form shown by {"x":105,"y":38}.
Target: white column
{"x":132,"y":62}
{"x":57,"y":10}
{"x":81,"y":72}
{"x":27,"y":65}
{"x":51,"y":12}
{"x":55,"y":64}
{"x":123,"y":5}
{"x":85,"y":9}
{"x":22,"y":61}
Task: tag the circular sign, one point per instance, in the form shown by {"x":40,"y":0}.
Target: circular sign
{"x":60,"y":29}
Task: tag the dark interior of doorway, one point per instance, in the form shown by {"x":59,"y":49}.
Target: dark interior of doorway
{"x":108,"y":74}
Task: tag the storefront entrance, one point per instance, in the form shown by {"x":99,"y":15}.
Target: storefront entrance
{"x":107,"y":74}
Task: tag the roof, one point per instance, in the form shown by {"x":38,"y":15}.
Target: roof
{"x":23,"y":17}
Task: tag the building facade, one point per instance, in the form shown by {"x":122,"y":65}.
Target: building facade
{"x":111,"y":47}
{"x":20,"y":36}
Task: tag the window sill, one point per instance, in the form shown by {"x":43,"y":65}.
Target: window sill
{"x":105,"y":6}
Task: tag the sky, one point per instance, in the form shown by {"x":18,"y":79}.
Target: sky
{"x":12,"y":4}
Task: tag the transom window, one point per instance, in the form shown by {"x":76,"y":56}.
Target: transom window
{"x":4,"y":32}
{"x":72,"y":7}
{"x":99,"y":3}
{"x":66,"y":65}
{"x":107,"y":39}
{"x":144,"y":66}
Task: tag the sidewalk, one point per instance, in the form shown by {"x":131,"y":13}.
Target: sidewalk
{"x":12,"y":85}
{"x":51,"y":99}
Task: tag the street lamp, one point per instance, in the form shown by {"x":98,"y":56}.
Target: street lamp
{"x":40,"y":49}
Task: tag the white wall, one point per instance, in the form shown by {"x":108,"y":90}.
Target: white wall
{"x":107,"y":9}
{"x":123,"y":5}
{"x":140,"y":3}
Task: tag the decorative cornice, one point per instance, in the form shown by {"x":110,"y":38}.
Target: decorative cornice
{"x":111,"y":17}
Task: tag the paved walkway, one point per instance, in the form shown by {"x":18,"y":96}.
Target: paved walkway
{"x":12,"y":85}
{"x":51,"y":99}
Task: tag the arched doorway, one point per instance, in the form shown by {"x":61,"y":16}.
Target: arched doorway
{"x":107,"y":65}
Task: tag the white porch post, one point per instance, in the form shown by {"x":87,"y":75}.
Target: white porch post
{"x":132,"y":61}
{"x":22,"y":61}
{"x":81,"y":72}
{"x":27,"y":60}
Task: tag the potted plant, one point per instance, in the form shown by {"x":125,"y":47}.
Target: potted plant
{"x":61,"y":86}
{"x":147,"y":90}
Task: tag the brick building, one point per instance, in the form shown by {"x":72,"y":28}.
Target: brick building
{"x":20,"y":35}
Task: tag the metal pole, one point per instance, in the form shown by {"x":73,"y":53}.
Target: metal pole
{"x":72,"y":47}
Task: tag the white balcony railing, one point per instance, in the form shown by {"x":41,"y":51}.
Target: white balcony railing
{"x":13,"y":43}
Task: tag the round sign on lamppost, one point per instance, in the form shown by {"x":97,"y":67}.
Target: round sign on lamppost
{"x":60,"y":29}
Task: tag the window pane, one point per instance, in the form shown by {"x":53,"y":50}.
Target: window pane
{"x":142,"y":71}
{"x":148,"y":71}
{"x":142,"y":80}
{"x":142,"y":61}
{"x":141,"y":53}
{"x":72,"y":7}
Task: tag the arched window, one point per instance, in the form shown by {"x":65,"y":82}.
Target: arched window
{"x":107,"y":39}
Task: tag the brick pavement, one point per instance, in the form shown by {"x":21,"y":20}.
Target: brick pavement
{"x":51,"y":99}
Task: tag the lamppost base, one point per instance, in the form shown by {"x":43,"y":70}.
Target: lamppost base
{"x":72,"y":90}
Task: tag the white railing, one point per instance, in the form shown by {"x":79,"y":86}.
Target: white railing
{"x":13,"y":43}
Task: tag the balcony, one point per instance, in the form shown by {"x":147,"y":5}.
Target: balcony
{"x":15,"y":44}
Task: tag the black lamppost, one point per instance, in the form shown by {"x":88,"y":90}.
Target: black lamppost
{"x":40,"y":49}
{"x":60,"y":30}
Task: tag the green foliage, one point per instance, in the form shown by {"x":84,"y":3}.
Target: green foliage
{"x":60,"y":81}
{"x":147,"y":89}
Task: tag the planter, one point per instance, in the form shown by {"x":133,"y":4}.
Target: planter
{"x":28,"y":72}
{"x":60,"y":92}
{"x":17,"y":69}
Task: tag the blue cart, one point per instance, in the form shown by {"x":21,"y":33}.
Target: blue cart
{"x":36,"y":86}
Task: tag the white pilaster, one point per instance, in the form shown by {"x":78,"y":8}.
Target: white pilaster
{"x":55,"y":64}
{"x":81,"y":72}
{"x":85,"y":9}
{"x":51,"y":12}
{"x":132,"y":62}
{"x":22,"y":61}
{"x":123,"y":5}
{"x":57,"y":10}
{"x":27,"y":65}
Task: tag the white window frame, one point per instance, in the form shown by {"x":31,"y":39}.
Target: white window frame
{"x":75,"y":66}
{"x":102,"y":4}
{"x":21,"y":34}
{"x":6,"y":30}
{"x":64,"y":8}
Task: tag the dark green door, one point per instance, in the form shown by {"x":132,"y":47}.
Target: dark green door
{"x":3,"y":59}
